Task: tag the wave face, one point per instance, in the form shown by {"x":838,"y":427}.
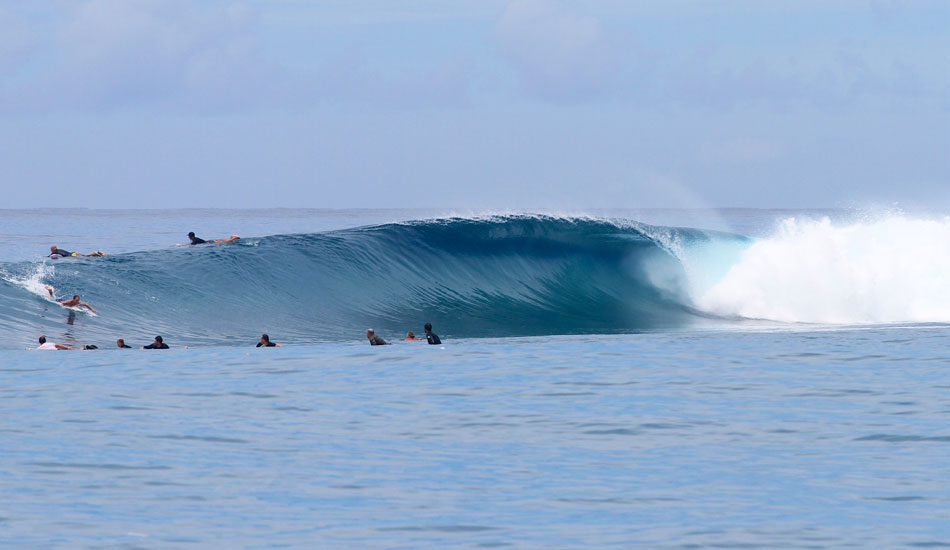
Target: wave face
{"x":889,"y":270}
{"x":500,"y":276}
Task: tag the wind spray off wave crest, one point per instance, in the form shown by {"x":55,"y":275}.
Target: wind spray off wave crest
{"x":889,"y":270}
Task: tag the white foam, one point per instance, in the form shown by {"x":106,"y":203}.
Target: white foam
{"x":32,"y":279}
{"x":889,"y":270}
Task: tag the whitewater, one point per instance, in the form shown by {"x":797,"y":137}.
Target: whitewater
{"x":624,"y":378}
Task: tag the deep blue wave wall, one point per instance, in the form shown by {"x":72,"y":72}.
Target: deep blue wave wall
{"x":515,"y":275}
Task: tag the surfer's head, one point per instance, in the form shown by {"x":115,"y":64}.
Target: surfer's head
{"x":265,"y":338}
{"x":52,"y":248}
{"x":428,"y":327}
{"x":75,"y":296}
{"x":158,"y":339}
{"x":191,"y":234}
{"x":42,"y":339}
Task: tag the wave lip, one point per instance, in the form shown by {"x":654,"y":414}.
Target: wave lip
{"x":470,"y":277}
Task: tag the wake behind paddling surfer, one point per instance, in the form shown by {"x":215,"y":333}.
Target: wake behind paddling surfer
{"x":70,"y":302}
{"x":196,"y":240}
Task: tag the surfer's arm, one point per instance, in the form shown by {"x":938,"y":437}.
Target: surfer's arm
{"x":61,"y":346}
{"x":92,"y":309}
{"x":49,"y":289}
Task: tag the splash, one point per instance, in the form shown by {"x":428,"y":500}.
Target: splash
{"x":889,"y":270}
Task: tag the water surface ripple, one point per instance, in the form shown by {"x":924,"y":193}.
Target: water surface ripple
{"x":819,"y":439}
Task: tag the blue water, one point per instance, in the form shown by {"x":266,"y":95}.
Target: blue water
{"x":702,"y":433}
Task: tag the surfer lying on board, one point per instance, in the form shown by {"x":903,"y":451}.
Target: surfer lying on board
{"x":71,"y":302}
{"x":196,"y":240}
{"x":50,"y":345}
{"x":56,"y":252}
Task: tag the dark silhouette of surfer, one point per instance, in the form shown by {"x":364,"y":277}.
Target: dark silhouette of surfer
{"x":431,"y":337}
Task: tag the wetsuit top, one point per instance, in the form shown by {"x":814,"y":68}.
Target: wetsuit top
{"x":433,"y":338}
{"x":377,"y":341}
{"x":163,"y":345}
{"x":61,"y":252}
{"x":126,"y":346}
{"x":46,"y":345}
{"x":196,"y":240}
{"x":267,"y":345}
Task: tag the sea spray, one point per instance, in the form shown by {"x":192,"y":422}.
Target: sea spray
{"x":888,"y":270}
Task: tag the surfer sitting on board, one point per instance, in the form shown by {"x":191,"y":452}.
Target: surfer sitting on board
{"x":375,"y":340}
{"x":55,"y":252}
{"x":196,"y":240}
{"x":71,"y":302}
{"x":157,"y":344}
{"x":266,"y":343}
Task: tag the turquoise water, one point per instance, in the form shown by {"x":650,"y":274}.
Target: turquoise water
{"x":742,"y":434}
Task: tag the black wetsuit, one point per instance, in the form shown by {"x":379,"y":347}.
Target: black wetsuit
{"x":196,"y":240}
{"x":125,"y":346}
{"x":61,"y":252}
{"x":163,"y":345}
{"x":433,"y":338}
{"x":375,"y":340}
{"x":267,"y":345}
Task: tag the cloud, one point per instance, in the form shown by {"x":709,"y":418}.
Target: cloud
{"x":174,"y":54}
{"x":557,"y":53}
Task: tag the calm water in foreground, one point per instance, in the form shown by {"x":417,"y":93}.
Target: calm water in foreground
{"x":710,"y":439}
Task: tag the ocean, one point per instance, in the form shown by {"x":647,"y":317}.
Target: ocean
{"x":649,"y":378}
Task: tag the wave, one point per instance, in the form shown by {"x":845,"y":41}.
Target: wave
{"x":483,"y":277}
{"x":495,"y":276}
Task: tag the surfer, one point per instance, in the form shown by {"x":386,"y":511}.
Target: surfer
{"x":50,"y":345}
{"x":266,"y":343}
{"x":431,"y":337}
{"x":56,"y":252}
{"x":375,"y":340}
{"x":412,"y":336}
{"x":120,"y":343}
{"x":157,"y":344}
{"x":196,"y":240}
{"x":71,"y":302}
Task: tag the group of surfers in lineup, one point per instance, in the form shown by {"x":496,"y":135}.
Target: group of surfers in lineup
{"x":158,"y":343}
{"x":265,"y":342}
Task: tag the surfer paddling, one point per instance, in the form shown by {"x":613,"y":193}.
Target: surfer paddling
{"x":55,"y":252}
{"x":69,"y":302}
{"x":50,"y":345}
{"x":196,"y":240}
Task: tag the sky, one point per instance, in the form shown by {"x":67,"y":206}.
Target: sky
{"x":476,"y":104}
